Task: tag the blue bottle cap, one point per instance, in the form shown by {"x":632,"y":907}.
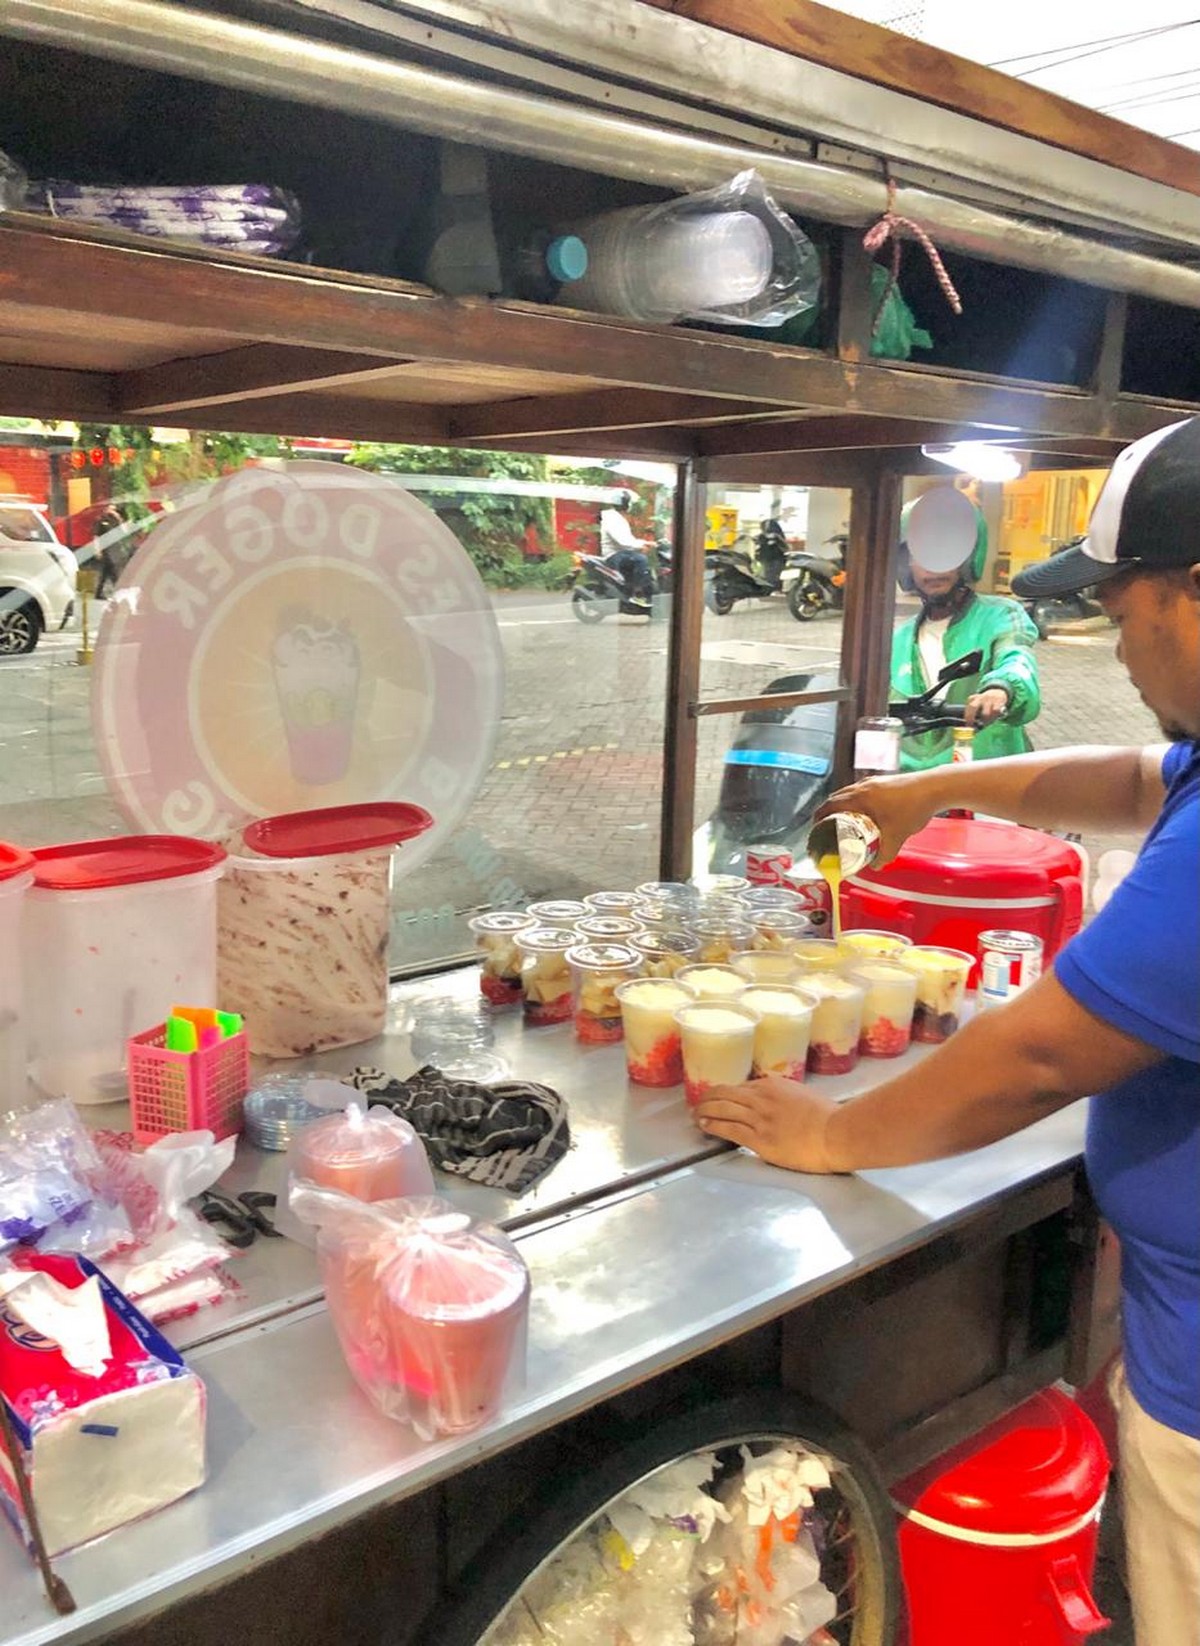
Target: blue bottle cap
{"x":567,"y":258}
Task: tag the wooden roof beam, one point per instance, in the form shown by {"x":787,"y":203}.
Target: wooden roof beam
{"x":254,"y":372}
{"x":819,"y":34}
{"x":602,"y":409}
{"x":50,"y":392}
{"x":49,"y":268}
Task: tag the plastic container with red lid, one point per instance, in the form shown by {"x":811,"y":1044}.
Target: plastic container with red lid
{"x":16,"y":877}
{"x":116,"y":932}
{"x":304,"y":916}
{"x":998,"y":1536}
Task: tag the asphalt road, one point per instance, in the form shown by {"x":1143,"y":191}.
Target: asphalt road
{"x":571,"y":802}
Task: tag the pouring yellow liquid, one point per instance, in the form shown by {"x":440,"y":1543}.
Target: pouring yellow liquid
{"x":829,"y":867}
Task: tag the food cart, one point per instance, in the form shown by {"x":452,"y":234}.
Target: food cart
{"x":669,"y":1272}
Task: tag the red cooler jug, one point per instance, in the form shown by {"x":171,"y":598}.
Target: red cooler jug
{"x":998,"y":1536}
{"x":958,"y":877}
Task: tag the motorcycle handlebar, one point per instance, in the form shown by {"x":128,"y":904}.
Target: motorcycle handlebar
{"x":926,"y":717}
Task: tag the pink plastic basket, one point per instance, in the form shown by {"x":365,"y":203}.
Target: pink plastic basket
{"x":186,"y":1091}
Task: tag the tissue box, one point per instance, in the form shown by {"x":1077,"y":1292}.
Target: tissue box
{"x":98,"y":1451}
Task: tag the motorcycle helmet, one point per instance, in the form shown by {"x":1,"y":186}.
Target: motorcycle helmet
{"x":942,"y":530}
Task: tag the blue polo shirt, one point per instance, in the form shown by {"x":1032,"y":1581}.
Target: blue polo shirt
{"x":1137,"y":966}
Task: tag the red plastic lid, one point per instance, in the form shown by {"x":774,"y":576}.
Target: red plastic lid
{"x":1036,"y":1470}
{"x":334,"y":829}
{"x":129,"y":860}
{"x":14,"y":861}
{"x":959,"y":857}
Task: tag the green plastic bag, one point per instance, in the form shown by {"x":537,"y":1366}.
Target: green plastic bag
{"x":897,"y":333}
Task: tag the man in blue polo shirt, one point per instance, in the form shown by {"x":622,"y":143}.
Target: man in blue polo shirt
{"x":1119,"y":1014}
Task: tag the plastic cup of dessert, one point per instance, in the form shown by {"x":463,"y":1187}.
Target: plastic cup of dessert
{"x":653,"y":1050}
{"x":941,"y":984}
{"x":836,"y":1022}
{"x":717,"y":1041}
{"x":874,"y":945}
{"x":784,"y":1028}
{"x":618,"y":903}
{"x":818,"y":954}
{"x":713,"y":884}
{"x":767,"y":966}
{"x":720,"y":938}
{"x":562,"y":912}
{"x":888,"y":1008}
{"x":545,"y":974}
{"x":607,"y":928}
{"x":499,"y":956}
{"x":779,"y":929}
{"x":666,"y":891}
{"x":663,"y":914}
{"x":597,"y":972}
{"x":712,"y":982}
{"x":663,"y":952}
{"x":772,"y":897}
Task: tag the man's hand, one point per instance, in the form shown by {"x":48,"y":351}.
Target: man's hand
{"x":984,"y":707}
{"x":898,"y":806}
{"x":779,"y":1119}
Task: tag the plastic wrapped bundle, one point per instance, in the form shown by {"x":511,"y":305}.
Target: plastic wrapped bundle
{"x":430,"y":1308}
{"x":249,"y":217}
{"x":763,"y":1572}
{"x":727,"y":254}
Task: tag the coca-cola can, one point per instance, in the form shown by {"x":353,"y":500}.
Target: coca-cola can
{"x":1010,"y":962}
{"x":815,"y":903}
{"x":767,"y":865}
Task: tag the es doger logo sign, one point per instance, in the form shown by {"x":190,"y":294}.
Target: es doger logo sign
{"x":307,"y":637}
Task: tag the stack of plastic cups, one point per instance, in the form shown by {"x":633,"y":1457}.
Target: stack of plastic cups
{"x":650,"y":265}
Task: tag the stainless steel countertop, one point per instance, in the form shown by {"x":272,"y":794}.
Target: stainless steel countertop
{"x":625,"y":1284}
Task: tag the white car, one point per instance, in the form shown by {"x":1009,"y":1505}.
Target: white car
{"x":37,"y":577}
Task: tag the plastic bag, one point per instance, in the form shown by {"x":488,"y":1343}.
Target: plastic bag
{"x":173,"y":1244}
{"x":14,"y":183}
{"x":368,"y":1154}
{"x":430,"y":1308}
{"x":53,"y":1187}
{"x":897,"y":333}
{"x":725,"y":255}
{"x":764,"y":1573}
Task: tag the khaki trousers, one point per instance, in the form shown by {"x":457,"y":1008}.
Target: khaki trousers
{"x":1160,"y":1498}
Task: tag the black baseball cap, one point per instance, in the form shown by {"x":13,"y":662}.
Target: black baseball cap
{"x":1147,"y":518}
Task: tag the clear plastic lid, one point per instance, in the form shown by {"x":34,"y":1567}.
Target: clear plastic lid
{"x":563,"y":911}
{"x":545,"y":939}
{"x":618,"y":903}
{"x":501,"y":922}
{"x":604,"y":957}
{"x":612,"y":926}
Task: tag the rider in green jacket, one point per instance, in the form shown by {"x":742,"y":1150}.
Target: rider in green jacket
{"x":1003,"y":698}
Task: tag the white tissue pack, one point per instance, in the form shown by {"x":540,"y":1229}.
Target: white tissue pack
{"x":108,"y":1419}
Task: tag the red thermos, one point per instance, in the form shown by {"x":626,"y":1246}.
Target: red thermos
{"x":998,"y":1536}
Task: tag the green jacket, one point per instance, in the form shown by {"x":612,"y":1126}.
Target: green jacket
{"x":1005,"y":635}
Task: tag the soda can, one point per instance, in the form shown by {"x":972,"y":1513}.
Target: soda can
{"x":1010,"y":962}
{"x":812,"y":892}
{"x":767,"y":865}
{"x":849,"y":836}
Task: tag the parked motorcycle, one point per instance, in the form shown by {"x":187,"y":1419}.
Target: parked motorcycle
{"x":745,"y":572}
{"x":779,"y":767}
{"x":816,"y":583}
{"x":601,"y":590}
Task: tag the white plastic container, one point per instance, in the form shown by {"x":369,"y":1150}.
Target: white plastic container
{"x":116,"y":932}
{"x":305,"y":908}
{"x":16,"y":877}
{"x":650,"y":265}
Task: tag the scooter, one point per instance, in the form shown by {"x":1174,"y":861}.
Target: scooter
{"x":815,"y":583}
{"x":601,"y":591}
{"x":779,"y":767}
{"x":737,"y":573}
{"x":1050,"y":611}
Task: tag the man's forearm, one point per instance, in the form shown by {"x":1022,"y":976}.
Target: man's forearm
{"x":1079,"y":789}
{"x":1002,"y":1071}
{"x":973,"y":1091}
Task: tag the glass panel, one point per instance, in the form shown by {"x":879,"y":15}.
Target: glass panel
{"x":568,"y":800}
{"x":774,"y":589}
{"x":1067,"y":686}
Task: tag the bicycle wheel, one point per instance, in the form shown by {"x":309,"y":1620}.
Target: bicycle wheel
{"x":660,"y":1542}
